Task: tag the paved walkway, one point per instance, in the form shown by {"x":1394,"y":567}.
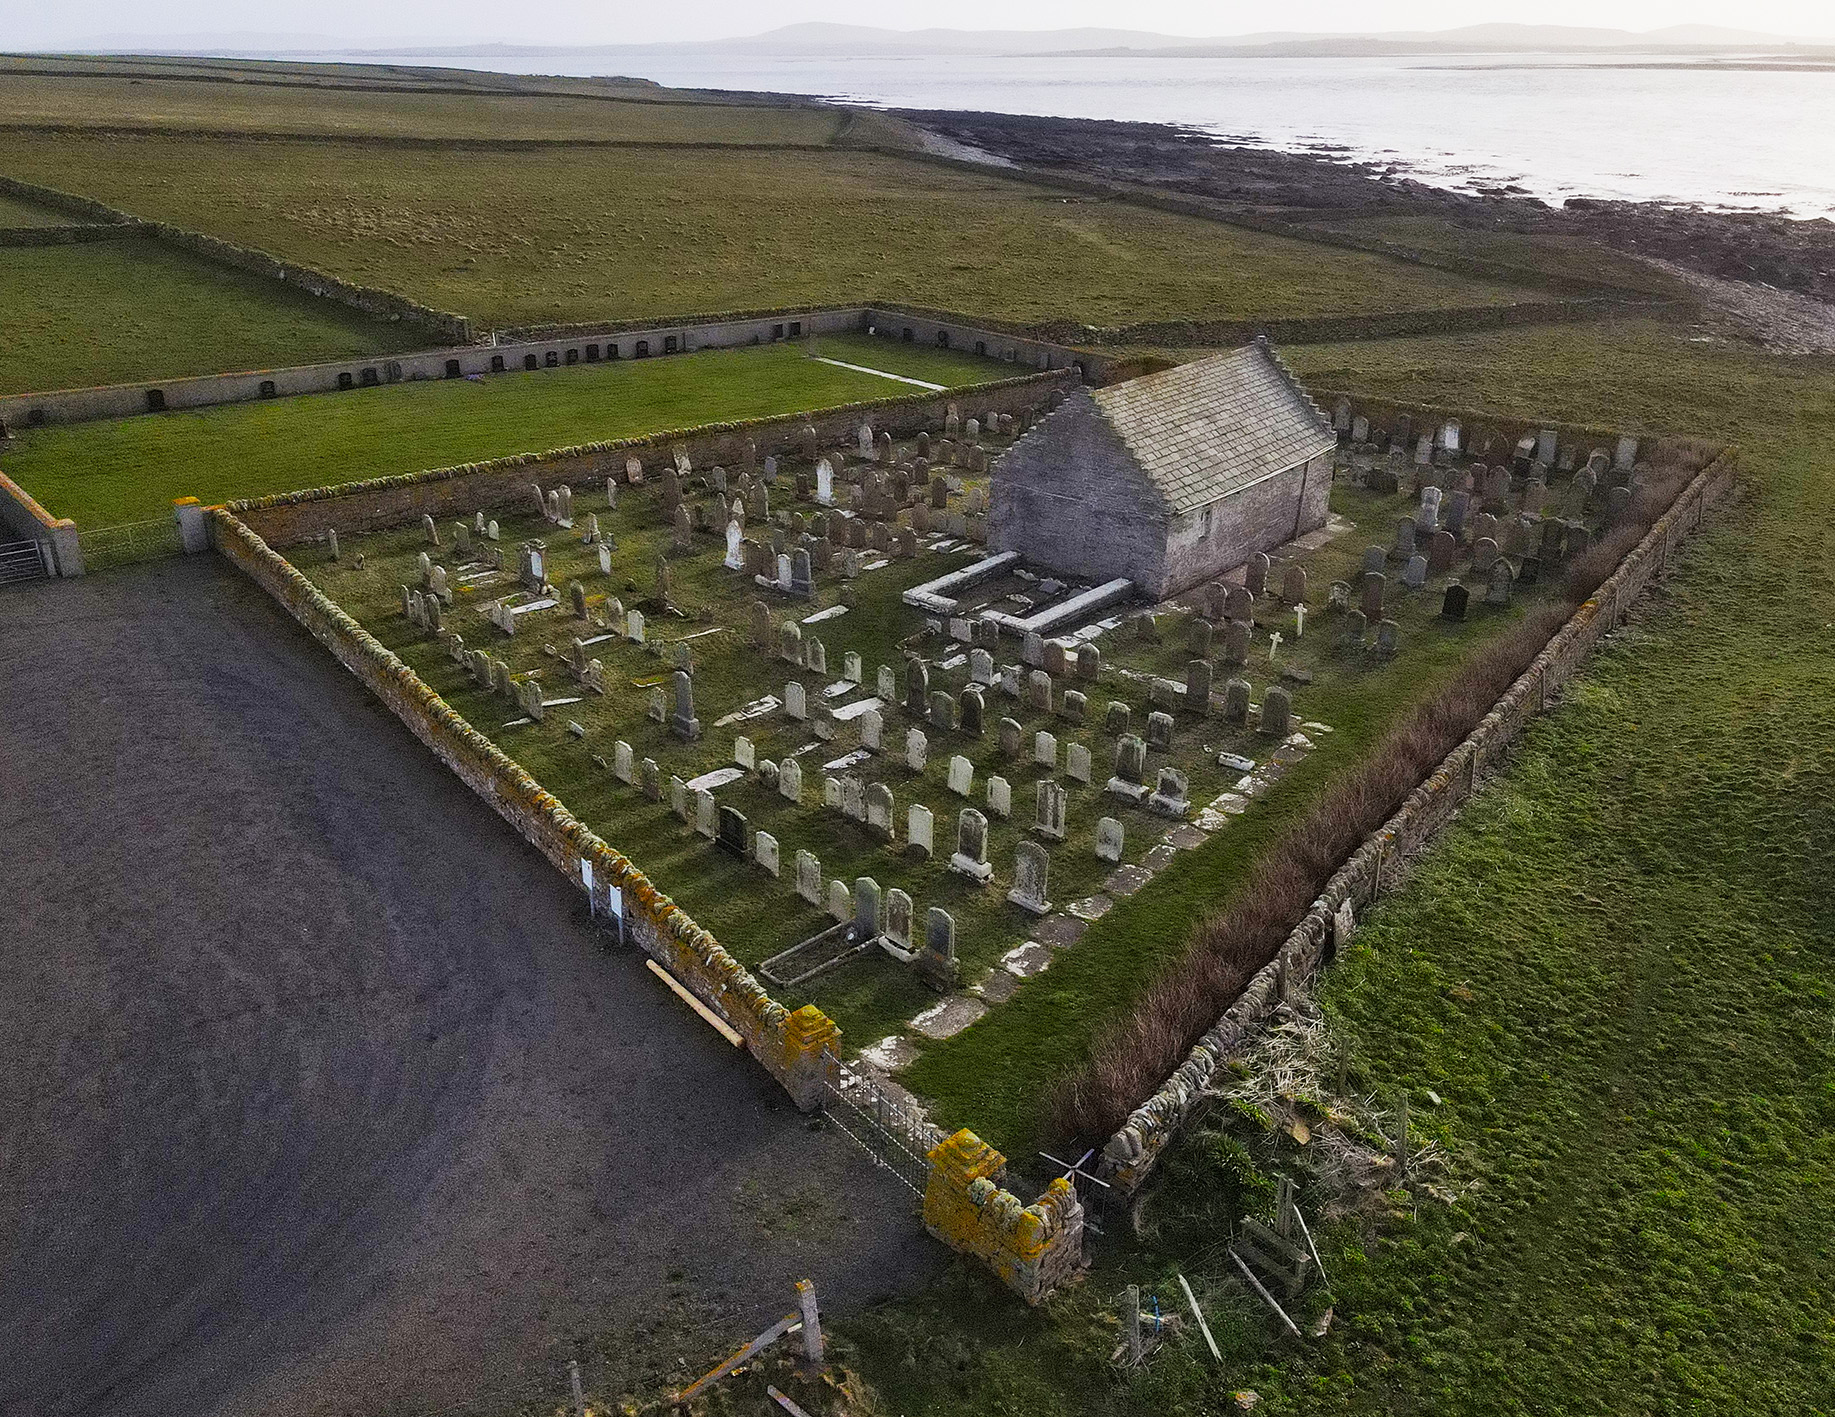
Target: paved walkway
{"x":318,"y":1096}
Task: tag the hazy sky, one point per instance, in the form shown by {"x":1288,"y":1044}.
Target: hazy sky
{"x":24,"y":24}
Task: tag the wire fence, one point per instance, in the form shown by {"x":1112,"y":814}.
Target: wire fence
{"x":106,"y":546}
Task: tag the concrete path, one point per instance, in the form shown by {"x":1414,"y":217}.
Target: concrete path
{"x":318,"y":1095}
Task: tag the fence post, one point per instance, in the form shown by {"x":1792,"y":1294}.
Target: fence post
{"x":812,"y":1320}
{"x":193,"y":532}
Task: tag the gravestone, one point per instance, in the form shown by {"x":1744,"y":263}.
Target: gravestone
{"x":1171,"y":794}
{"x":1375,"y":582}
{"x":973,"y":711}
{"x":840,"y":902}
{"x":1236,"y":701}
{"x":1255,"y":573}
{"x":650,"y":778}
{"x":942,"y":710}
{"x":1453,"y":603}
{"x":917,"y":687}
{"x":1415,"y":574}
{"x":1074,"y":704}
{"x":1236,"y":638}
{"x":706,"y":813}
{"x":1293,"y":585}
{"x":1089,"y":662}
{"x":790,"y":780}
{"x":796,"y":701}
{"x":899,"y":910}
{"x":919,"y":828}
{"x":1010,"y":732}
{"x":1118,"y":718}
{"x":1198,"y":686}
{"x":809,"y":877}
{"x":815,"y":656}
{"x":1000,"y":797}
{"x":1498,"y":586}
{"x":1159,"y":731}
{"x":1442,"y":548}
{"x":1277,"y":713}
{"x":1038,"y":691}
{"x":790,"y":643}
{"x":1045,"y":749}
{"x":1050,"y":808}
{"x":1129,"y":779}
{"x":917,"y":749}
{"x":1351,"y":633}
{"x":1404,"y":538}
{"x":765,"y":852}
{"x":971,"y":854}
{"x":1484,"y":554}
{"x":936,"y":962}
{"x":879,"y":811}
{"x":961,"y":776}
{"x":1031,"y":870}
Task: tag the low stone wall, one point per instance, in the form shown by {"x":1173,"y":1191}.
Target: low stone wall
{"x":21,"y":516}
{"x":1475,"y":425}
{"x":798,"y":1048}
{"x":287,"y":518}
{"x":541,"y":348}
{"x":1130,"y":1155}
{"x":76,"y":234}
{"x":1032,"y":1249}
{"x":381,"y":304}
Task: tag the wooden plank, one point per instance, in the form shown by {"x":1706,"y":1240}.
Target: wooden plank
{"x":1198,"y":1314}
{"x":714,"y":1021}
{"x":1267,"y":1298}
{"x":784,"y":1402}
{"x":751,"y":1350}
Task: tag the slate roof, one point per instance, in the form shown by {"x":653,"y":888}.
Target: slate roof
{"x":1213,"y":427}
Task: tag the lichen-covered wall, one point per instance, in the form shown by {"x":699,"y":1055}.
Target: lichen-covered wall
{"x":798,"y":1048}
{"x":1031,"y":1248}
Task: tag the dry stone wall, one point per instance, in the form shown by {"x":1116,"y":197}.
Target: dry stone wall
{"x":288,"y":518}
{"x":1131,"y":1153}
{"x":798,"y":1048}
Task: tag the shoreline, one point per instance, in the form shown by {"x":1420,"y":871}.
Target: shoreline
{"x":1317,"y":188}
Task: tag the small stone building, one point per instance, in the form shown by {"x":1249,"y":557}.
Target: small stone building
{"x":1170,"y":479}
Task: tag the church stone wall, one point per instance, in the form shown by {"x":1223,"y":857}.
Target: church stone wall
{"x":1067,"y":496}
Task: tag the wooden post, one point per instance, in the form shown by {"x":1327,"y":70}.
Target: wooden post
{"x":1401,"y":1143}
{"x":812,"y":1321}
{"x":573,"y":1379}
{"x":1131,"y":1321}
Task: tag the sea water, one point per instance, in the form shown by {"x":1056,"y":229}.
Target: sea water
{"x":1642,"y":128}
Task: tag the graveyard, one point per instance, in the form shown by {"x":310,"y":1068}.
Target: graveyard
{"x":792,"y":692}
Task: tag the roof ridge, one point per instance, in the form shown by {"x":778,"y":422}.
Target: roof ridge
{"x":1292,"y":381}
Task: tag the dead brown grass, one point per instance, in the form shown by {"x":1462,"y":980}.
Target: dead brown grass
{"x":1227,"y":948}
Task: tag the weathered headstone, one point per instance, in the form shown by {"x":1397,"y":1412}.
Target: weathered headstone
{"x":971,"y":854}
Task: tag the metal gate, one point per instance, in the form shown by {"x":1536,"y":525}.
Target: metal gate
{"x":894,"y":1135}
{"x":22,"y":561}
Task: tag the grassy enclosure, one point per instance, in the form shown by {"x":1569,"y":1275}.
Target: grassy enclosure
{"x":130,"y":469}
{"x":1606,"y":992}
{"x":996,"y":1074}
{"x":648,"y":233}
{"x":199,"y":103}
{"x":15,"y":211}
{"x":111,"y":312}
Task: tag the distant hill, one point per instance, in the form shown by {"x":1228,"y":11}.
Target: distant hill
{"x":867,"y":42}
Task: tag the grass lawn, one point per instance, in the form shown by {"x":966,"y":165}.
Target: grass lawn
{"x":992,"y":1075}
{"x":531,"y":237}
{"x":15,"y":212}
{"x":130,"y":469}
{"x":111,"y":312}
{"x":175,"y":102}
{"x":1615,"y":973}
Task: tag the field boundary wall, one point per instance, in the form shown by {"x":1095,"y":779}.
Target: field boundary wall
{"x":798,"y":1048}
{"x":1129,"y":1156}
{"x":21,"y":516}
{"x":550,"y":347}
{"x":288,"y":518}
{"x":378,"y":304}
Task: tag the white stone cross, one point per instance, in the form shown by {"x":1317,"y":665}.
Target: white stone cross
{"x":1274,"y":645}
{"x":1299,"y":621}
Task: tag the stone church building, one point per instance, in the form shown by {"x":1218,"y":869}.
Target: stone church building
{"x":1170,"y":479}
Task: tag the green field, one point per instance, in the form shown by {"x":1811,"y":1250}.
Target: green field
{"x":112,"y":312}
{"x":1615,"y":973}
{"x":16,"y":212}
{"x":645,"y":233}
{"x":89,"y":102}
{"x":130,"y":469}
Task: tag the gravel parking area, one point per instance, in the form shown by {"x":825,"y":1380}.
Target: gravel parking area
{"x":320,"y":1095}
